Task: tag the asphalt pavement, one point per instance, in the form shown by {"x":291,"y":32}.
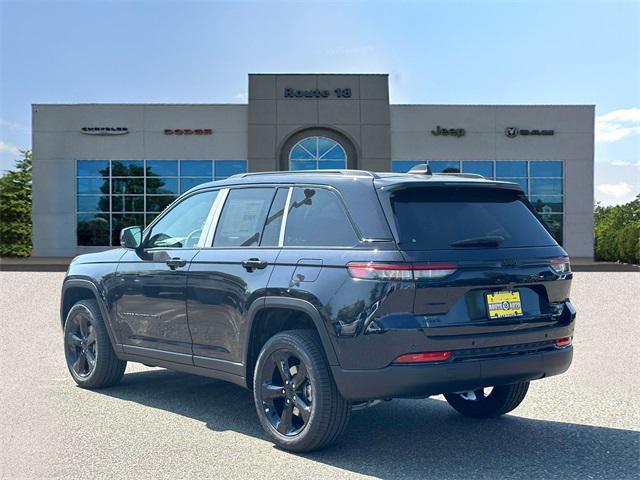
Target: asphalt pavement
{"x":159,"y":424}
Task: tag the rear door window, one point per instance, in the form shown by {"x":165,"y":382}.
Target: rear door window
{"x":437,"y":218}
{"x":243,"y":217}
{"x":317,"y":218}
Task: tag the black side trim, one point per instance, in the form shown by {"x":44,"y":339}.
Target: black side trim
{"x":291,"y":304}
{"x":87,"y":284}
{"x":181,"y":367}
{"x":226,"y":366}
{"x":154,"y":353}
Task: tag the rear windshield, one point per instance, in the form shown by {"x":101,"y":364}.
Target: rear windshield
{"x":436,"y":218}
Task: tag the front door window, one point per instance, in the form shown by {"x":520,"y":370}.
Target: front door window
{"x":181,"y":227}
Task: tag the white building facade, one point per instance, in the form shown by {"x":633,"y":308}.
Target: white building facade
{"x":100,"y":167}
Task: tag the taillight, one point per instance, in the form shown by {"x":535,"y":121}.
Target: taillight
{"x":380,"y":271}
{"x":433,"y":271}
{"x":423,"y":357}
{"x":563,"y":342}
{"x":398,"y":271}
{"x":560,"y":265}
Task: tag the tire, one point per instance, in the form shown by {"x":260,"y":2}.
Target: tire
{"x":300,"y":356}
{"x":90,"y":358}
{"x":501,"y":400}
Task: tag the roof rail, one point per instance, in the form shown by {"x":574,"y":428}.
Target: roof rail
{"x":304,"y":172}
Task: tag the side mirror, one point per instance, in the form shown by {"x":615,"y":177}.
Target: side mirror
{"x":131,"y":237}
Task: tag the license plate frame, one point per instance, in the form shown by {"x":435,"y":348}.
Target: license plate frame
{"x":503,"y":304}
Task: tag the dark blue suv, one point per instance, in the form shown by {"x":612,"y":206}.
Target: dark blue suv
{"x":324,"y":291}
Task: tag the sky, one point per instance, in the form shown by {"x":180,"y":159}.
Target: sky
{"x":501,"y":52}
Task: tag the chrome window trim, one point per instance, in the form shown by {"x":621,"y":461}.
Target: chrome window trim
{"x":285,"y":216}
{"x":210,"y":217}
{"x":207,"y":240}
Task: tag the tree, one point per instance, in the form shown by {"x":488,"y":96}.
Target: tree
{"x":15,"y":209}
{"x":617,"y":232}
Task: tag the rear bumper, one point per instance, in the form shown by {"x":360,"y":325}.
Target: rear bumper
{"x":425,"y":380}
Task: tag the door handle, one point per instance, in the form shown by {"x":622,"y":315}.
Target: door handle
{"x":176,"y":262}
{"x":253,"y":264}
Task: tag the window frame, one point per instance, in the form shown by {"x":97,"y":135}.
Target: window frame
{"x":215,"y":219}
{"x":205,"y":227}
{"x":221,"y":199}
{"x":285,"y":220}
{"x":317,"y":158}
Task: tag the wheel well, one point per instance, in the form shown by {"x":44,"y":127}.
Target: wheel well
{"x":73,"y":295}
{"x":266,"y":324}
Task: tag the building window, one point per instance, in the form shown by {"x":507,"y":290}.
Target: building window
{"x":113,"y":194}
{"x":541,"y":180}
{"x":317,"y":153}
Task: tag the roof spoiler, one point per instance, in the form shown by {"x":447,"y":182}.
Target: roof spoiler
{"x":425,"y":169}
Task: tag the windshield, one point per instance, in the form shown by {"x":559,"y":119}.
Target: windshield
{"x":436,"y":218}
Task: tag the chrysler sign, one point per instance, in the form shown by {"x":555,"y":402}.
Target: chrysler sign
{"x":104,"y":131}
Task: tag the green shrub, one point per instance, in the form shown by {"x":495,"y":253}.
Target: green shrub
{"x":15,"y":209}
{"x":617,"y":232}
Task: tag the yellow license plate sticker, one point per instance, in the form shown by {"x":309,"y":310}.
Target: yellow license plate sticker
{"x":504,"y":304}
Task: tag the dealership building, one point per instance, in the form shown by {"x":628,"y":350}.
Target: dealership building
{"x":100,"y":167}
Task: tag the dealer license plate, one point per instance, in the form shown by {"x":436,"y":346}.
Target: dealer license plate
{"x":504,"y":304}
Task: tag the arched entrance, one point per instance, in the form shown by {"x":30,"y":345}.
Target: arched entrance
{"x":317,"y":149}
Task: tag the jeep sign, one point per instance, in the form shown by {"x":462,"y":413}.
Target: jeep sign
{"x":451,"y":132}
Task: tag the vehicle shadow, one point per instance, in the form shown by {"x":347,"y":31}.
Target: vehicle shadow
{"x":410,"y":438}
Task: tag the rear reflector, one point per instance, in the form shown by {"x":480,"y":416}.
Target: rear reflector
{"x":563,"y":342}
{"x":560,"y":265}
{"x":423,"y":357}
{"x":398,"y":271}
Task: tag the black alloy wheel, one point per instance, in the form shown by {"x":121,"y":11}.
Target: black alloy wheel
{"x":297,"y":401}
{"x":488,"y":402}
{"x":80,"y":340}
{"x":91,"y":360}
{"x":286,"y":393}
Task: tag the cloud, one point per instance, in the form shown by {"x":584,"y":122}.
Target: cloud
{"x":625,"y":163}
{"x":618,"y":190}
{"x":8,"y":148}
{"x":13,"y":126}
{"x":616,"y":125}
{"x":242,"y":97}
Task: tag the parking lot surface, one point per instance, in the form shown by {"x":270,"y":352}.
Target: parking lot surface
{"x":159,"y":424}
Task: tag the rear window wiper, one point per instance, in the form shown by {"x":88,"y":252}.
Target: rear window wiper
{"x":489,"y":240}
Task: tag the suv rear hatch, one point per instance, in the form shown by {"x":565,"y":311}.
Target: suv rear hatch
{"x":482,"y":261}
